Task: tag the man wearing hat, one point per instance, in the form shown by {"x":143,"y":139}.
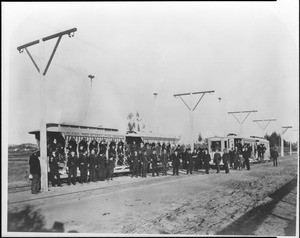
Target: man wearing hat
{"x":93,"y":162}
{"x":35,"y":171}
{"x":141,"y":154}
{"x":145,"y":158}
{"x":83,"y":166}
{"x":217,"y":160}
{"x":72,"y":166}
{"x":94,"y":146}
{"x":102,"y":166}
{"x":189,"y":161}
{"x":102,"y":147}
{"x":206,"y":159}
{"x":54,"y":169}
{"x":226,"y":159}
{"x":274,"y":156}
{"x":175,"y":162}
{"x":72,"y":145}
{"x":111,"y":161}
{"x":165,"y":160}
{"x":154,"y":160}
{"x":135,"y":164}
{"x":82,"y":146}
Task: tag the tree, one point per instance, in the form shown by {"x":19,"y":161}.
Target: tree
{"x":131,"y":124}
{"x":135,"y":122}
{"x":200,"y":137}
{"x":274,"y":139}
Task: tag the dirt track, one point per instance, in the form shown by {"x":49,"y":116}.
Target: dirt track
{"x":198,"y":204}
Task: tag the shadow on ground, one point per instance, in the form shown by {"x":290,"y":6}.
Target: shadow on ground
{"x":31,"y":220}
{"x":249,"y":222}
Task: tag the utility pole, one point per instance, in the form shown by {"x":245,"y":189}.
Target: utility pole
{"x":42,"y":70}
{"x":155,"y":113}
{"x":285,"y":128}
{"x":191,"y":110}
{"x":266,"y":125}
{"x":91,"y":77}
{"x":297,"y":144}
{"x":241,"y":122}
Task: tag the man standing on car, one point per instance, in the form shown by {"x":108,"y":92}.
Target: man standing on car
{"x":35,"y":171}
{"x":217,"y":160}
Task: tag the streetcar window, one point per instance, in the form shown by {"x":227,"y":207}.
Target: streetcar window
{"x":215,"y":145}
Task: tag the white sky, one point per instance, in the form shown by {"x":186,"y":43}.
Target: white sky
{"x":247,"y":52}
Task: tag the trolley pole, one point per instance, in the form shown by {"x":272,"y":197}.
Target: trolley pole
{"x":241,"y":122}
{"x":191,"y":110}
{"x":285,"y":128}
{"x":42,"y":70}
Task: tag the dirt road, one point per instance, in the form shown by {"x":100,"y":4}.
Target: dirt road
{"x":188,"y":204}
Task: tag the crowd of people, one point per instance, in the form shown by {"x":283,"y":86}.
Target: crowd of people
{"x":96,"y":161}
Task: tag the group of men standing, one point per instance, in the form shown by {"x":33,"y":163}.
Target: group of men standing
{"x":95,"y":164}
{"x":144,"y":158}
{"x":96,"y":161}
{"x":150,"y":157}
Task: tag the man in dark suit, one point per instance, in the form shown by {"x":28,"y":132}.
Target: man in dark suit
{"x":35,"y":171}
{"x":217,"y":160}
{"x":54,"y":169}
{"x":72,"y":166}
{"x":175,"y":162}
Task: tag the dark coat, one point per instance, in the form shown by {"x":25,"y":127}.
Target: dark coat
{"x":217,"y":158}
{"x":207,"y":159}
{"x":72,"y":162}
{"x":226,"y":158}
{"x":53,"y":163}
{"x":34,"y":163}
{"x":175,"y":160}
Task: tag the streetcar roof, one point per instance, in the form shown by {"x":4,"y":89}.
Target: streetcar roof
{"x":150,"y":136}
{"x":218,"y":138}
{"x":89,"y":131}
{"x":80,"y":130}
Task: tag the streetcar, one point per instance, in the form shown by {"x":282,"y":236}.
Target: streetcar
{"x":63,"y":133}
{"x":231,"y":141}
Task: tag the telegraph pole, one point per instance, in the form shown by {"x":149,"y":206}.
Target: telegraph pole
{"x":42,"y":70}
{"x":155,"y":113}
{"x":263,"y":127}
{"x":297,"y":144}
{"x":241,"y":122}
{"x":285,"y":128}
{"x":191,"y":110}
{"x":91,"y":77}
